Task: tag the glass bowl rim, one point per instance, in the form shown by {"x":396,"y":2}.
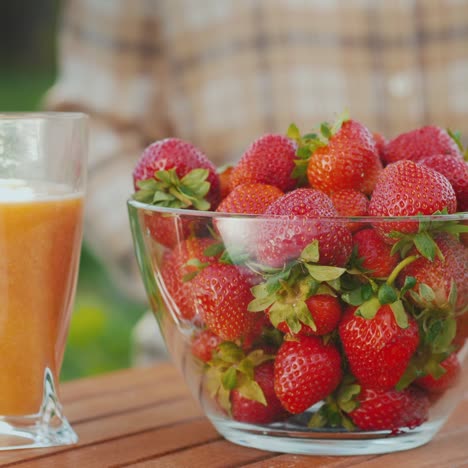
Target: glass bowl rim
{"x":461,"y":216}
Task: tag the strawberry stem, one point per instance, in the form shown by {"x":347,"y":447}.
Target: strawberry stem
{"x":403,"y":264}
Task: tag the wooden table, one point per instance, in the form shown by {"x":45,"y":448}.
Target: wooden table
{"x":145,"y":417}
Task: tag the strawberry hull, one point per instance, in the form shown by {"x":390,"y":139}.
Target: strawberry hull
{"x":239,"y":302}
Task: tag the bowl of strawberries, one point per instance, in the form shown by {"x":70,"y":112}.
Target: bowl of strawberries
{"x":314,"y":295}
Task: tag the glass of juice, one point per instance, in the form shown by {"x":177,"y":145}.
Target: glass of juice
{"x":42,"y":183}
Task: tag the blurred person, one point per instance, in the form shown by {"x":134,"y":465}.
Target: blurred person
{"x":220,"y":73}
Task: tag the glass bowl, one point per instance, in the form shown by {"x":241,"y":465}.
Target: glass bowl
{"x":218,"y":282}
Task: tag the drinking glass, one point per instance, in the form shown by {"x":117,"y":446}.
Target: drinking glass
{"x":42,"y":184}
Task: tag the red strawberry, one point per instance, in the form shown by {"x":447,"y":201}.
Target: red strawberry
{"x":250,"y":199}
{"x":222,"y":294}
{"x":203,"y":345}
{"x":462,"y":331}
{"x":306,"y":371}
{"x":176,"y":273}
{"x":420,"y":143}
{"x":456,"y":171}
{"x":406,"y":189}
{"x":374,"y":254}
{"x":390,"y":409}
{"x":255,"y":337}
{"x":348,"y":161}
{"x":168,"y":229}
{"x":377,"y":349}
{"x":440,"y":274}
{"x":225,"y":181}
{"x":268,"y":160}
{"x":251,"y":411}
{"x":380,"y":142}
{"x":452,"y":373}
{"x":303,"y":220}
{"x":173,"y":153}
{"x":325,"y":311}
{"x":350,"y":202}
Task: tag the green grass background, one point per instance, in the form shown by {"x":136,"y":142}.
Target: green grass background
{"x":99,"y":337}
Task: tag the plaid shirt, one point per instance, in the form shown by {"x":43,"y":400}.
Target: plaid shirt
{"x":222,"y":72}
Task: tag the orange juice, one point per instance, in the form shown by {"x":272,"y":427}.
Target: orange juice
{"x":40,"y":238}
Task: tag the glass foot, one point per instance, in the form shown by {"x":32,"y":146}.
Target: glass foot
{"x":47,"y":428}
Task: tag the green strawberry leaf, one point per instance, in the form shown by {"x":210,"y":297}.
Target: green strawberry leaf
{"x":324,"y":273}
{"x":261,"y":303}
{"x":399,"y":313}
{"x":318,"y":419}
{"x":445,"y":335}
{"x":425,"y":245}
{"x":224,"y":400}
{"x":246,"y":366}
{"x":212,"y":381}
{"x":387,"y":294}
{"x":410,"y":282}
{"x":293,"y":132}
{"x":427,"y":293}
{"x":229,"y":378}
{"x":258,"y":356}
{"x":346,"y":398}
{"x":251,"y":390}
{"x":434,"y":369}
{"x":260,"y":290}
{"x":303,"y":314}
{"x":456,"y":137}
{"x":326,"y":130}
{"x":453,"y":294}
{"x":368,"y":309}
{"x":214,"y":250}
{"x":189,"y":276}
{"x":280,"y":312}
{"x":311,"y":253}
{"x":303,"y":153}
{"x":359,"y":295}
{"x":195,"y":262}
{"x":409,"y":376}
{"x":229,"y":352}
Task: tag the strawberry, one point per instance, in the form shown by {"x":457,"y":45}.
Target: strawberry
{"x":262,"y":335}
{"x":390,"y":409}
{"x":222,"y":294}
{"x":348,"y":160}
{"x":462,"y":331}
{"x":405,"y":188}
{"x":303,"y":219}
{"x":251,"y":411}
{"x":350,"y":202}
{"x":268,"y":160}
{"x":439,"y":275}
{"x":204,"y":344}
{"x":161,"y":176}
{"x":420,"y":143}
{"x":168,"y":229}
{"x":448,"y":379}
{"x":225,"y":181}
{"x":374,"y":255}
{"x":377,"y":349}
{"x":179,"y":266}
{"x":380,"y":142}
{"x":306,"y":371}
{"x":249,"y":199}
{"x":456,"y":172}
{"x":325,"y":311}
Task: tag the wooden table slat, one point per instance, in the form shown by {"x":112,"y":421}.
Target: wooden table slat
{"x":133,"y":448}
{"x":219,"y":454}
{"x":146,"y":417}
